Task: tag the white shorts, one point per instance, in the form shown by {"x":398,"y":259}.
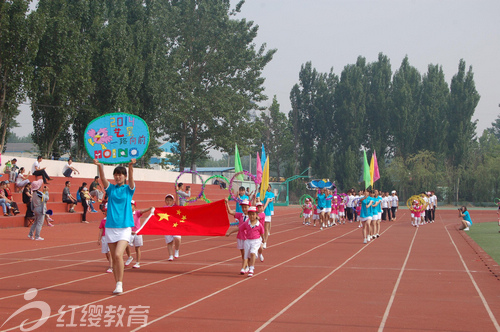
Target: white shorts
{"x":272,"y":212}
{"x":468,"y":223}
{"x":170,"y":238}
{"x":318,"y":211}
{"x":114,"y":235}
{"x":252,"y":246}
{"x":327,"y":210}
{"x":307,"y":215}
{"x":315,"y":217}
{"x":365,"y":219}
{"x":377,"y":216}
{"x":136,"y":240}
{"x":267,"y":219}
{"x":341,"y":214}
{"x":333,"y":216}
{"x":240,"y":244}
{"x":104,"y":245}
{"x":412,"y":215}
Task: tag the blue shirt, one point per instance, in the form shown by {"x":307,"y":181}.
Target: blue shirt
{"x":119,"y":214}
{"x":269,"y":208}
{"x":329,"y":202}
{"x":321,"y":201}
{"x":238,"y":206}
{"x":379,"y":206}
{"x":366,"y":211}
{"x":467,"y":217}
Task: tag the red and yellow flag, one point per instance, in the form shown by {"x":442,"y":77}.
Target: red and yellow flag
{"x":204,"y":220}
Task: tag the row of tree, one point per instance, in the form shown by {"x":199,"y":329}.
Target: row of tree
{"x":192,"y":71}
{"x":189,"y":68}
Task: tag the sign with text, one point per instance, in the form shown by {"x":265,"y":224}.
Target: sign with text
{"x":117,"y":138}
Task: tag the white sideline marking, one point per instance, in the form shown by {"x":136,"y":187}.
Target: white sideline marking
{"x":483,"y":299}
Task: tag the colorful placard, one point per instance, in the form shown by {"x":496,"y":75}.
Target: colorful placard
{"x":117,"y":138}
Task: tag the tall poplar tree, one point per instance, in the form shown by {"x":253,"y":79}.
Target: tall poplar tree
{"x":62,"y":81}
{"x":217,"y":78}
{"x":19,"y":32}
{"x":406,"y":116}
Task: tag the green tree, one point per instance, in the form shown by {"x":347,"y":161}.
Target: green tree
{"x":216,"y":78}
{"x":406,"y":113}
{"x":462,"y":104}
{"x":276,"y":136}
{"x":351,"y":122}
{"x":19,"y":31}
{"x":62,"y":81}
{"x":434,"y":107}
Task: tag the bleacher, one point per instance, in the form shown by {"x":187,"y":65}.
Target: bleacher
{"x":148,"y":193}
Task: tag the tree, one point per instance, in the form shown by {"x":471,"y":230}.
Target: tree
{"x":216,"y":78}
{"x":18,"y":43}
{"x":462,"y":104}
{"x":434,"y":107}
{"x":351,"y":121}
{"x":62,"y":81}
{"x":276,"y":136}
{"x":406,"y":112}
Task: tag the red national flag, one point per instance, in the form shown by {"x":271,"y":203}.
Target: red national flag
{"x":205,"y":220}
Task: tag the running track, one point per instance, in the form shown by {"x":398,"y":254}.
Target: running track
{"x":432,"y":278}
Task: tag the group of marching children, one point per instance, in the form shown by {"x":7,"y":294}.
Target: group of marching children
{"x":423,"y":210}
{"x":369,"y":206}
{"x":254,"y":227}
{"x":328,"y":212}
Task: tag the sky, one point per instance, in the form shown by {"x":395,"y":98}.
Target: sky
{"x":333,"y":33}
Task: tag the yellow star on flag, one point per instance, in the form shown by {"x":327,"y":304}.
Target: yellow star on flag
{"x":175,"y":224}
{"x":183,"y":217}
{"x":163,"y":216}
{"x":179,"y":212}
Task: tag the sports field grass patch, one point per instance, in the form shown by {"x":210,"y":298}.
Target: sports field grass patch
{"x":486,"y":235}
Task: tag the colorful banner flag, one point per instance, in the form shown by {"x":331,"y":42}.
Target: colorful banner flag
{"x":265,"y":180}
{"x":366,"y":171}
{"x":204,"y":220}
{"x":259,"y":170}
{"x":375,"y":174}
{"x":237,"y":163}
{"x":263,"y":156}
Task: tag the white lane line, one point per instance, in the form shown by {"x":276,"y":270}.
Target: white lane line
{"x":143,"y":264}
{"x":483,"y":299}
{"x":393,"y":295}
{"x":263,"y":326}
{"x":159,"y":281}
{"x":246,"y":279}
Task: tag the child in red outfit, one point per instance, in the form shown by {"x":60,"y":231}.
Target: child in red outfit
{"x":254,"y":231}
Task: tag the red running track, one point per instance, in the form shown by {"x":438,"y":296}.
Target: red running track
{"x":432,"y":278}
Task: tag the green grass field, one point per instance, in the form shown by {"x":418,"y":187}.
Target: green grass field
{"x":486,"y":235}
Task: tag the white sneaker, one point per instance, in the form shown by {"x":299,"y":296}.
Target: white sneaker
{"x":465,"y":229}
{"x":137,"y":266}
{"x":170,"y":258}
{"x":264,"y":245}
{"x":129,"y":260}
{"x":369,"y":238}
{"x":247,"y":269}
{"x":119,"y":288}
{"x":176,"y":255}
{"x":261,"y":257}
{"x":321,"y":228}
{"x":242,"y":271}
{"x":41,"y":238}
{"x":365,"y":241}
{"x":109,"y":270}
